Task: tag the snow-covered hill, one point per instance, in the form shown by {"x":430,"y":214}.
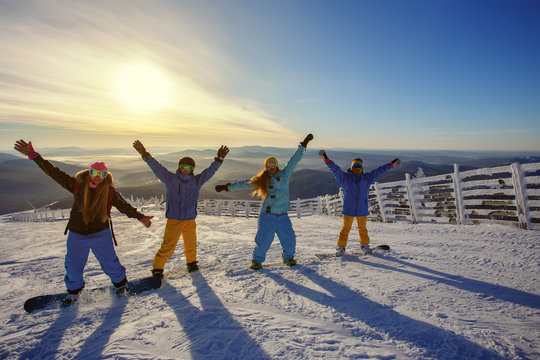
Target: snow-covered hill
{"x":443,"y":292}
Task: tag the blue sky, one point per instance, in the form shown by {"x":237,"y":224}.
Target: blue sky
{"x":385,"y":74}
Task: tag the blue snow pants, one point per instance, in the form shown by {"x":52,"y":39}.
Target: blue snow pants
{"x":78,"y":248}
{"x":270,"y":225}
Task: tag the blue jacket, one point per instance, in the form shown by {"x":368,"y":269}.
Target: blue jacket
{"x":355,"y":188}
{"x":182,"y":190}
{"x":278,"y":191}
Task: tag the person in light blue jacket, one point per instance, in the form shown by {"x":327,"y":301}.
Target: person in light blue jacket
{"x":355,"y":186}
{"x":272,"y":186}
{"x":183,"y":188}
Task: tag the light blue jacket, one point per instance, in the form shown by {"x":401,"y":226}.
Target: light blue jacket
{"x":278,"y":191}
{"x":182,"y":190}
{"x":355,"y":188}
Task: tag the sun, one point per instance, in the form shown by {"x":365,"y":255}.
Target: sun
{"x":143,"y":88}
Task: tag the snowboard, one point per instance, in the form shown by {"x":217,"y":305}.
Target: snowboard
{"x":135,"y":287}
{"x":375,"y":249}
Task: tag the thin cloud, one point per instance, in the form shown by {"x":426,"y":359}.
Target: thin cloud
{"x":59,"y":64}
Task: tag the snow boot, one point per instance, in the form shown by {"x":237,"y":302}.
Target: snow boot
{"x":157,"y":273}
{"x":70,"y":299}
{"x":192,"y":266}
{"x":122,"y":291}
{"x":121,"y":288}
{"x":290,"y":262}
{"x":255,"y":265}
{"x":340,"y":250}
{"x":365,"y":249}
{"x":73,"y":296}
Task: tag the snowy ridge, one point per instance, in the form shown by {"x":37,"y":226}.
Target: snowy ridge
{"x":443,"y":292}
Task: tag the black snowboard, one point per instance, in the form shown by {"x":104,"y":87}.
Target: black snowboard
{"x":374,"y":249}
{"x":135,"y":287}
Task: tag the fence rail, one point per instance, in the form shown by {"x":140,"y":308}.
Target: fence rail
{"x":505,"y":194}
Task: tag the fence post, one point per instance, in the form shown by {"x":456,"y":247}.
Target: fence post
{"x":460,"y":210}
{"x":521,"y":196}
{"x":410,"y":197}
{"x":379,"y":200}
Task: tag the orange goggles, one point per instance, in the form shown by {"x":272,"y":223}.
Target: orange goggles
{"x":96,"y":172}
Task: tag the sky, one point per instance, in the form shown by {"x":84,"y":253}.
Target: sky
{"x":385,"y":74}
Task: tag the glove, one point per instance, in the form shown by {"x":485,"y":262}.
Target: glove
{"x":395,"y":162}
{"x":26,"y":149}
{"x":140,"y":149}
{"x":146,"y":220}
{"x":322,"y":154}
{"x":306,"y":140}
{"x":221,"y":153}
{"x":220,"y":188}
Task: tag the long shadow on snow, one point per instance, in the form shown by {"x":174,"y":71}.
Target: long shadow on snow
{"x":47,"y":347}
{"x":95,"y":343}
{"x":436,"y":343}
{"x":213,"y":332}
{"x":501,"y":292}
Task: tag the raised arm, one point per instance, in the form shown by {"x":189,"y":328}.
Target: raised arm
{"x":159,"y":170}
{"x":373,"y":175}
{"x":65,"y":180}
{"x":338,"y":173}
{"x":295,"y":159}
{"x":211,"y":170}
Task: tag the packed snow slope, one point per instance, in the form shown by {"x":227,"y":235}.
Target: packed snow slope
{"x":442,"y":292}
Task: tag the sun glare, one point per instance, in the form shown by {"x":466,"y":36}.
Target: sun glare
{"x":143,"y":88}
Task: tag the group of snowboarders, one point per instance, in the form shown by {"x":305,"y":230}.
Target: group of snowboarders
{"x":90,"y":227}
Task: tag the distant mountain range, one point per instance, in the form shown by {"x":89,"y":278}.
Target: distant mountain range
{"x":24,"y":186}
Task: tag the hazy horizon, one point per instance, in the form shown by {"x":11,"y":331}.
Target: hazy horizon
{"x":416,"y":74}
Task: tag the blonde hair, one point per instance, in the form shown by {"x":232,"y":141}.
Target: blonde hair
{"x":95,"y":203}
{"x":260,"y":182}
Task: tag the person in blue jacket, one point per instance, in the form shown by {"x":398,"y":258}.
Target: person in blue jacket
{"x":183,"y":190}
{"x":355,"y":186}
{"x":272,"y":186}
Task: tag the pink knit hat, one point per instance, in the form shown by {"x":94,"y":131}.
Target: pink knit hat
{"x":99,"y":166}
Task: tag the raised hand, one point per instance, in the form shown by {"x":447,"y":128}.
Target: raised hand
{"x":221,"y":153}
{"x":140,"y":149}
{"x":26,"y":149}
{"x":306,"y":140}
{"x":322,"y":154}
{"x":395,"y":162}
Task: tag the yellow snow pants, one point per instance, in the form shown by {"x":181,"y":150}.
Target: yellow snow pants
{"x":173,"y":230}
{"x":347,"y":224}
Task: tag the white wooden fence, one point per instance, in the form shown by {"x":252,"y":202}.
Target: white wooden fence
{"x":43,"y":214}
{"x":506,"y":195}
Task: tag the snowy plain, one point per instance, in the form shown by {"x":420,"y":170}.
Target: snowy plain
{"x":442,"y":292}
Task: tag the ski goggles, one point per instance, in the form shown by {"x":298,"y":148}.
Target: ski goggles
{"x":271,"y":164}
{"x":100,"y":173}
{"x":186,"y":168}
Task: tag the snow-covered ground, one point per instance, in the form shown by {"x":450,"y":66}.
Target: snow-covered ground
{"x":443,"y":292}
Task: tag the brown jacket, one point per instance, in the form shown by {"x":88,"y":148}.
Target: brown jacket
{"x":76,"y":222}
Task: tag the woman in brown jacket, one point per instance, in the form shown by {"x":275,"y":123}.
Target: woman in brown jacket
{"x":89,"y":221}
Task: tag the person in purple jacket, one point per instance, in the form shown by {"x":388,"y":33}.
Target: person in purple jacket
{"x":182,"y":195}
{"x":355,"y":186}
